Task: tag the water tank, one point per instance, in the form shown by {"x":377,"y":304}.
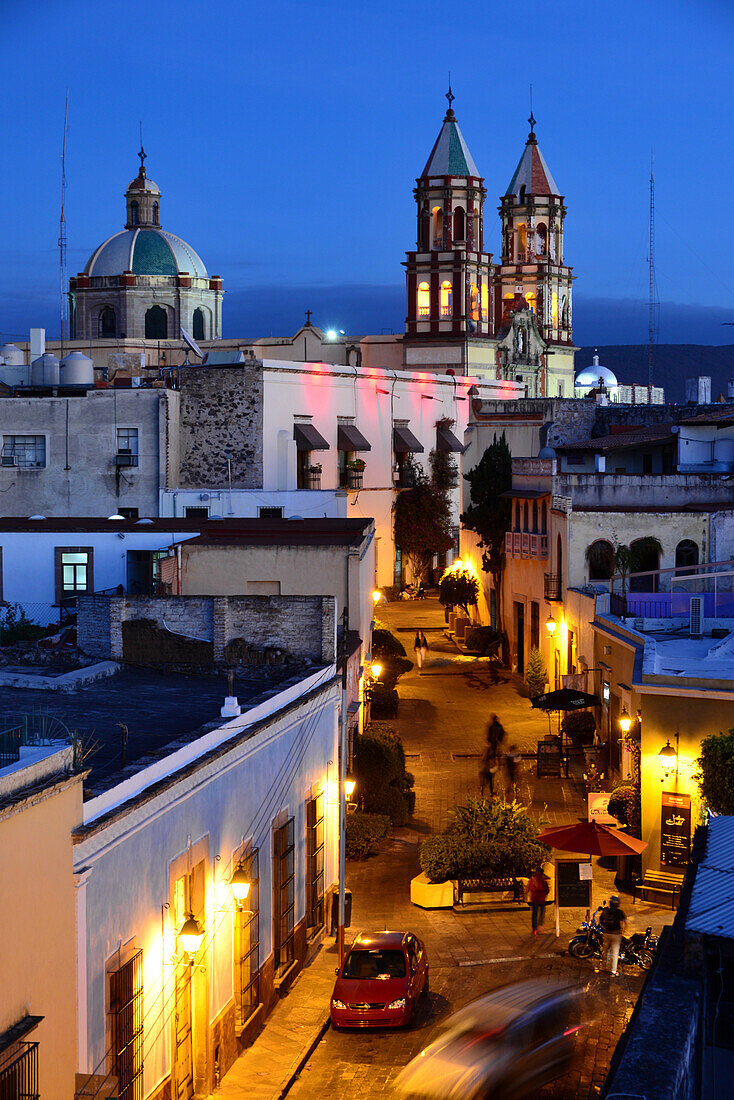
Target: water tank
{"x":45,"y":370}
{"x":13,"y":370}
{"x":729,"y":388}
{"x":14,"y":357}
{"x":77,"y":369}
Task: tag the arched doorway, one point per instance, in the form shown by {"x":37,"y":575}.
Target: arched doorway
{"x":107,"y":322}
{"x":156,"y":324}
{"x":600,"y":560}
{"x":644,"y":558}
{"x":686,"y":553}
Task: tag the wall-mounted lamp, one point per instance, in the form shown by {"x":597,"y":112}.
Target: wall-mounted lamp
{"x":349,"y":785}
{"x":668,"y":757}
{"x":551,"y":624}
{"x":376,"y":669}
{"x":240,"y":886}
{"x":376,"y":596}
{"x":625,"y":721}
{"x":191,"y":936}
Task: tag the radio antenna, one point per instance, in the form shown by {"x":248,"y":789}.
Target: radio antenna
{"x":651,"y":264}
{"x":62,"y":233}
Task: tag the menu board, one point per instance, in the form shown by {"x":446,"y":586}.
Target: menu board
{"x":675,"y":829}
{"x":549,"y":758}
{"x":574,"y":885}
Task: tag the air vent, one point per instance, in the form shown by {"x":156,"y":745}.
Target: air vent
{"x":9,"y":460}
{"x":696,"y":613}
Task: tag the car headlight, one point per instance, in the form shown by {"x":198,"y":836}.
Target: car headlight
{"x":336,"y":1003}
{"x":400,"y":1003}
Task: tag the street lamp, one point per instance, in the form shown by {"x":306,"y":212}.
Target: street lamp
{"x":349,"y":784}
{"x":376,"y":670}
{"x":191,"y":936}
{"x":240,"y":886}
{"x":668,"y":757}
{"x":625,"y":721}
{"x":550,"y":624}
{"x":376,"y":596}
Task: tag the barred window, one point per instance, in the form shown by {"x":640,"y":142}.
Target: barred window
{"x":315,"y":863}
{"x":29,"y":451}
{"x":285,"y":898}
{"x":247,"y":941}
{"x":126,"y":1018}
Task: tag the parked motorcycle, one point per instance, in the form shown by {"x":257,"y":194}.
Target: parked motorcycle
{"x":635,"y":950}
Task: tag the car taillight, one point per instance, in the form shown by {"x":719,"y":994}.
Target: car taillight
{"x":571,"y":1030}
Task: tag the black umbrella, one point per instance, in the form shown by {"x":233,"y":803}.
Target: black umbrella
{"x":565,"y":699}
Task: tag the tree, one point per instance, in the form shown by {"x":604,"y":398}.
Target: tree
{"x":458,"y":588}
{"x":632,"y":558}
{"x":715,"y":775}
{"x":536,"y":673}
{"x":488,"y":513}
{"x":422,"y":521}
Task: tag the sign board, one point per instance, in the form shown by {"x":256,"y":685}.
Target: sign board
{"x":599,"y":808}
{"x":573,"y":891}
{"x":549,"y":758}
{"x":675,"y":829}
{"x":606,"y":692}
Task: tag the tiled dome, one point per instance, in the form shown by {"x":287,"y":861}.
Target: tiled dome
{"x":146,"y":251}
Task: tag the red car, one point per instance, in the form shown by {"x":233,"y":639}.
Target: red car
{"x":380,"y":981}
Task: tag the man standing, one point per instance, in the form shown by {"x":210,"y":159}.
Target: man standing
{"x":538,"y":890}
{"x":614,"y":921}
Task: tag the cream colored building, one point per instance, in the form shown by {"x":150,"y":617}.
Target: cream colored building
{"x":40,"y":805}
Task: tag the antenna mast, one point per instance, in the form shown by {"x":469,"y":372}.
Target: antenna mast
{"x":62,"y":233}
{"x":651,"y":264}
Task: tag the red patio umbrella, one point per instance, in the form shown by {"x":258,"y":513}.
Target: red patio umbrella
{"x":591,"y":837}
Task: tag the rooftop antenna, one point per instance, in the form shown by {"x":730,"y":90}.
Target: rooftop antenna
{"x":62,"y":233}
{"x":651,"y":265}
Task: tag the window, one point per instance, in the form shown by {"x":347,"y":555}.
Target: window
{"x":530,"y":298}
{"x":542,"y":234}
{"x":74,"y":571}
{"x":522,"y":241}
{"x":134,"y":213}
{"x":199,"y":325}
{"x":155,"y":213}
{"x":247,"y":941}
{"x":107,"y":322}
{"x":437,"y":227}
{"x":525,"y":517}
{"x":424,"y":300}
{"x":647,"y":463}
{"x":474,"y":302}
{"x":686,"y":553}
{"x":315,"y":863}
{"x":600,"y":558}
{"x":554,"y":312}
{"x":270,"y":513}
{"x":29,"y":451}
{"x":19,"y":1071}
{"x":196,"y":513}
{"x":126,"y":1020}
{"x":535,"y":517}
{"x":156,"y":324}
{"x":544,"y":518}
{"x":459,"y":224}
{"x":127,"y":445}
{"x":284,"y":901}
{"x":534,"y":625}
{"x":485,"y":302}
{"x":446,"y":299}
{"x":129,"y":513}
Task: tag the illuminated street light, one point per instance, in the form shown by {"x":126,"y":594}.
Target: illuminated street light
{"x":376,"y":596}
{"x":191,"y":936}
{"x":551,"y":624}
{"x":457,"y":563}
{"x":625,"y":722}
{"x":349,"y":784}
{"x":240,"y":886}
{"x":668,"y":757}
{"x":376,"y":670}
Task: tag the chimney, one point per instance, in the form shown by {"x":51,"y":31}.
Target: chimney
{"x":38,"y":342}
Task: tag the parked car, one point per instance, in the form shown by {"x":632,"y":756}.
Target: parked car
{"x":506,"y":1045}
{"x":380,"y":981}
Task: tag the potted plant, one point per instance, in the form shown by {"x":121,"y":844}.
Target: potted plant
{"x":580,"y":726}
{"x":356,"y":464}
{"x":315,"y":468}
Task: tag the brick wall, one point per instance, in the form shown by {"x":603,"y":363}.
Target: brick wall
{"x":221,"y":413}
{"x":249,"y":629}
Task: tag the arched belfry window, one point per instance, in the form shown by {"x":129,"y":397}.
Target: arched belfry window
{"x":424,"y":300}
{"x":459,"y":224}
{"x":542,"y":239}
{"x":155,"y":213}
{"x":437,"y":227}
{"x":156,"y":324}
{"x":107,"y":322}
{"x":199,"y":325}
{"x":134,"y":214}
{"x":446,"y":299}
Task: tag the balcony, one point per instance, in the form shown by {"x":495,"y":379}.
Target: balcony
{"x":310,"y":479}
{"x":521,"y":544}
{"x":351,"y":479}
{"x":553,"y":587}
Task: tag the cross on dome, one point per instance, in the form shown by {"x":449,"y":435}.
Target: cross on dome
{"x":450,"y":96}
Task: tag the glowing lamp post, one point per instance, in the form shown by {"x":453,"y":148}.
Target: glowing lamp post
{"x":668,"y":757}
{"x":191,"y":936}
{"x":625,"y":721}
{"x":550,"y":624}
{"x":240,"y":886}
{"x":376,"y":669}
{"x":376,"y":596}
{"x":349,"y":785}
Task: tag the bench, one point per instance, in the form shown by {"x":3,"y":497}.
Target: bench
{"x":663,"y":882}
{"x":479,"y":885}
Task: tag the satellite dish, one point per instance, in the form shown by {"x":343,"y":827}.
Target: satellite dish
{"x":191,"y":343}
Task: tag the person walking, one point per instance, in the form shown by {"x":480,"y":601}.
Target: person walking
{"x":538,"y":890}
{"x":423,"y":647}
{"x":488,"y":769}
{"x":419,"y":654}
{"x":513,"y":756}
{"x":614,"y":921}
{"x":495,"y":734}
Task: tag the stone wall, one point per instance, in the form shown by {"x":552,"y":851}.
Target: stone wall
{"x":241,"y":629}
{"x":221,"y":414}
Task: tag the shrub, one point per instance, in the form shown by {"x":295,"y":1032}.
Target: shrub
{"x":363,"y":833}
{"x":624,"y":804}
{"x":458,"y":588}
{"x":440,"y":856}
{"x":715,"y":774}
{"x":383,"y":784}
{"x":536,"y":673}
{"x":484,"y":640}
{"x":392,"y":669}
{"x":383,"y":701}
{"x":385,"y":644}
{"x":579,"y":723}
{"x":489,"y":837}
{"x":15,"y":626}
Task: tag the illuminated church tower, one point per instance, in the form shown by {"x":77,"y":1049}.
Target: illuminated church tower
{"x":532,"y":266}
{"x":449,"y":317}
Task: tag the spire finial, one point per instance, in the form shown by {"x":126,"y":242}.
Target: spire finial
{"x":532,"y":119}
{"x":450,"y":97}
{"x":142,"y":154}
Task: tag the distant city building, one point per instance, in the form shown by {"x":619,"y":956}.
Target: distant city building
{"x":600,"y":382}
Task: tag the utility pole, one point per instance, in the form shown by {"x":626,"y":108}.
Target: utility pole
{"x":342,"y":788}
{"x":651,"y":264}
{"x":62,"y":233}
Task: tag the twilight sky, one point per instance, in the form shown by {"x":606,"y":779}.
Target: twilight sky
{"x":286,"y":138}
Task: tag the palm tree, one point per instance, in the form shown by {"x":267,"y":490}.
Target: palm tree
{"x":632,"y":558}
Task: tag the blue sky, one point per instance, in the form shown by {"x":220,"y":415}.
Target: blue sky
{"x":286,"y":139}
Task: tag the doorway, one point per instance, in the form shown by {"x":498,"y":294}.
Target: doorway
{"x":520,"y":636}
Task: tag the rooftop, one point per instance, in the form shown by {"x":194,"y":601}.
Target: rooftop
{"x":450,"y":155}
{"x":279,"y":532}
{"x":711,"y":909}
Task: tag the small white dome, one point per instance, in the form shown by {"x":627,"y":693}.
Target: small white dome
{"x":591,"y":376}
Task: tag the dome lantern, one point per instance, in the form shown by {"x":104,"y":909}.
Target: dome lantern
{"x":142,"y":198}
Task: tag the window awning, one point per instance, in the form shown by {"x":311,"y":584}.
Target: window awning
{"x":308,"y":438}
{"x":350,"y":438}
{"x":447,"y":442}
{"x":404,"y":442}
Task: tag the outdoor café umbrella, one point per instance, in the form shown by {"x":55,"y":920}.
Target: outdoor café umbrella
{"x":592,"y":837}
{"x":565,"y":699}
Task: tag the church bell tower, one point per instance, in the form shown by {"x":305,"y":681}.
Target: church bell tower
{"x":450,"y":315}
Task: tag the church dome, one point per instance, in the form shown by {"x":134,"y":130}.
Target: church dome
{"x":591,"y":376}
{"x":145,"y":252}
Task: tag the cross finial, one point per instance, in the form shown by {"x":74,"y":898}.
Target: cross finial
{"x":532,"y":120}
{"x":450,"y":95}
{"x":142,"y":154}
{"x":308,"y":316}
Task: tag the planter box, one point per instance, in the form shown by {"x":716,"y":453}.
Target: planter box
{"x":431,"y":895}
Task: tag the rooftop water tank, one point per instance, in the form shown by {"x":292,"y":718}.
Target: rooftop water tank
{"x":77,"y":369}
{"x":12,"y":355}
{"x":45,"y":370}
{"x":13,"y":370}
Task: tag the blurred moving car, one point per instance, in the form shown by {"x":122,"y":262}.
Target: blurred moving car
{"x":380,"y":981}
{"x":506,"y":1045}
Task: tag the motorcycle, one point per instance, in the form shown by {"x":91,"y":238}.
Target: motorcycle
{"x":635,"y":950}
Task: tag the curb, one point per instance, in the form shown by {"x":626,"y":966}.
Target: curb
{"x":323,"y":1028}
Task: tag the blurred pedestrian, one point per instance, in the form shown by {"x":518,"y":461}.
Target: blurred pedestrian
{"x":495,"y":734}
{"x":538,"y":890}
{"x":513,"y":756}
{"x":419,"y":652}
{"x":424,"y":647}
{"x":614,"y":921}
{"x":488,"y":769}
